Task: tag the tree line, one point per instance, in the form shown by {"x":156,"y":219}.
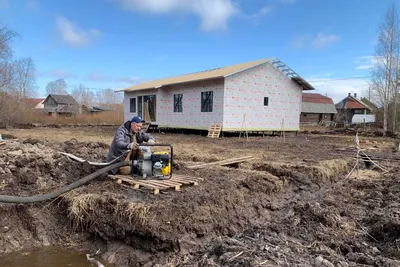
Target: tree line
{"x":84,"y":95}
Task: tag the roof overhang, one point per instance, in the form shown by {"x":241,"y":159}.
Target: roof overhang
{"x":169,"y":84}
{"x":292,"y":74}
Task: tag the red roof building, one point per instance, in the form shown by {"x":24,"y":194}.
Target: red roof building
{"x":34,"y":102}
{"x":316,"y":108}
{"x":352,"y":106}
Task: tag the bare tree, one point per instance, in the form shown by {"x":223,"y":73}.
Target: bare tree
{"x":384,"y":73}
{"x":6,"y":66}
{"x":108,"y":97}
{"x":25,"y":77}
{"x":6,"y":37}
{"x":83,"y":95}
{"x":58,"y":87}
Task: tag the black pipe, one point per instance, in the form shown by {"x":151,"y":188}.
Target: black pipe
{"x":64,"y":189}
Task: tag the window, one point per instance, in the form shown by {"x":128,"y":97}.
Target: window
{"x":207,"y":101}
{"x":266,"y":100}
{"x":133,"y":105}
{"x":178,"y":102}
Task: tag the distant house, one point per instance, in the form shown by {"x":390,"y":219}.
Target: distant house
{"x":35,"y":103}
{"x":316,"y":108}
{"x":61,"y":105}
{"x":95,"y":109}
{"x":352,"y":110}
{"x":261,"y":95}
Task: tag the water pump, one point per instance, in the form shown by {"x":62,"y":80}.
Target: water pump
{"x":152,"y":165}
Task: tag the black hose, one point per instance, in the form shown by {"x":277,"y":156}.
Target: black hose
{"x":64,"y":189}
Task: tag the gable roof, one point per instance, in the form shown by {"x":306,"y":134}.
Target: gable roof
{"x":33,"y":102}
{"x":96,"y":108}
{"x":351,"y":102}
{"x":219,"y":73}
{"x":317,"y":103}
{"x":316,"y":98}
{"x":369,"y":103}
{"x":63,"y":99}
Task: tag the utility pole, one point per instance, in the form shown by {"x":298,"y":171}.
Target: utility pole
{"x":369,"y":94}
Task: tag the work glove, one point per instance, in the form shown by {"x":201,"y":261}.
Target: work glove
{"x":151,"y":141}
{"x":133,"y":145}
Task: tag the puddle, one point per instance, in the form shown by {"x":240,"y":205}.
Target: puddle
{"x":47,"y":257}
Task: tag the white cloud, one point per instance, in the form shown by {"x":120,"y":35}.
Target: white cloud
{"x":265,"y":10}
{"x":102,"y":77}
{"x":322,"y":40}
{"x":4,"y":4}
{"x":57,"y":73}
{"x":367,"y":62}
{"x":214,"y":14}
{"x":131,"y":80}
{"x":338,"y":89}
{"x":318,"y":41}
{"x":74,"y":35}
{"x":98,"y":77}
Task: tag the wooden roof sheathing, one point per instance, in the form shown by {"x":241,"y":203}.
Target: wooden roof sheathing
{"x":206,"y":75}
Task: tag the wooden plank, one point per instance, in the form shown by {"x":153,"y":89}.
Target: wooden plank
{"x":186,"y":180}
{"x":189,"y":182}
{"x":221,"y":163}
{"x":185,"y":177}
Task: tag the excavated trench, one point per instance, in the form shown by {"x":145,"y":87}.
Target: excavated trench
{"x":246,"y":215}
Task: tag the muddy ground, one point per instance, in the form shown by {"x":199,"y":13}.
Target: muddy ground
{"x":292,"y":205}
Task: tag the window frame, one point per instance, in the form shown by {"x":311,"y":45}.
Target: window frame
{"x":207,"y":101}
{"x":266,"y":101}
{"x":178,"y":105}
{"x":132,"y":100}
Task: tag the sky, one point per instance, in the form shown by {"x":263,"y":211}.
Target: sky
{"x":118,"y":43}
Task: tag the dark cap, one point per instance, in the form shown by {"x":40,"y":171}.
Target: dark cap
{"x":137,"y":119}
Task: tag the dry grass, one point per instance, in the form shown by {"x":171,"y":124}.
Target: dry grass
{"x":134,"y":212}
{"x":327,"y":169}
{"x":84,"y":208}
{"x":61,"y":135}
{"x":115,"y":117}
{"x":365,"y":174}
{"x":321,"y":172}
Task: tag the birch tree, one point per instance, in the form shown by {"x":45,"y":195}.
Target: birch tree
{"x":385,"y":71}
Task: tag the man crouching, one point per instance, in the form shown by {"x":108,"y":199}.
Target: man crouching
{"x":128,"y":137}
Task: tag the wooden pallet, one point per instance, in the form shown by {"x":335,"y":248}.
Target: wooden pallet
{"x":221,"y":162}
{"x":214,"y":130}
{"x":176,"y":182}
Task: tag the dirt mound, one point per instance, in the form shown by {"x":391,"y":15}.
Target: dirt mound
{"x":257,"y":213}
